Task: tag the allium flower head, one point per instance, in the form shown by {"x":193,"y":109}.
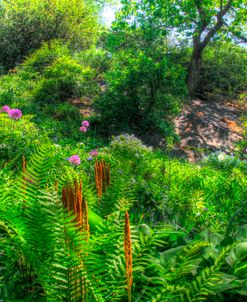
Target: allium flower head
{"x":94,"y":153}
{"x":74,"y":159}
{"x":221,"y":156}
{"x":15,"y":114}
{"x":85,"y":123}
{"x":6,"y":108}
{"x":83,"y":129}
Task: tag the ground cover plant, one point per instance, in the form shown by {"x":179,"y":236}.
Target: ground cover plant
{"x":63,"y":231}
{"x":96,"y":201}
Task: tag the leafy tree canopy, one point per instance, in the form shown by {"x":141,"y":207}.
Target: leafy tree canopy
{"x":196,"y":21}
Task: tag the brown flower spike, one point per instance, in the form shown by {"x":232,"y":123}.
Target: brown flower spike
{"x":73,"y":200}
{"x":102,"y":177}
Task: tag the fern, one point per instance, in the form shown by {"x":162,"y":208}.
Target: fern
{"x":39,"y":230}
{"x":45,"y":256}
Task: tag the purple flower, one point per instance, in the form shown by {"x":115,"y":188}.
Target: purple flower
{"x":94,"y":153}
{"x":6,"y":108}
{"x":245,"y":150}
{"x":15,"y":114}
{"x":85,"y":123}
{"x":74,"y":159}
{"x":90,"y":158}
{"x":83,"y":129}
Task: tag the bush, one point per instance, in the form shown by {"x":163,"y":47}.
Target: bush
{"x":141,"y":93}
{"x":25,"y":25}
{"x":65,"y":78}
{"x":63,"y":112}
{"x":13,"y":89}
{"x":42,"y":84}
{"x":18,"y":137}
{"x":129,"y":146}
{"x":96,"y":59}
{"x":224,"y":71}
{"x":36,"y":63}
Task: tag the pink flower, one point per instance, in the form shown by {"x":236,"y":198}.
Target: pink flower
{"x":74,"y":159}
{"x":94,"y":153}
{"x":15,"y":114}
{"x":85,"y":123}
{"x":6,"y":108}
{"x":83,"y":129}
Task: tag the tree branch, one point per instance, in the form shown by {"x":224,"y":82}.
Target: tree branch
{"x":202,"y":16}
{"x":221,"y":5}
{"x":240,"y":37}
{"x":218,"y":25}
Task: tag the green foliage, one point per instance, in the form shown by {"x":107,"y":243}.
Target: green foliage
{"x":63,"y":79}
{"x":180,"y":14}
{"x":34,"y":232}
{"x":151,"y":23}
{"x":49,"y":257}
{"x":225,"y":161}
{"x":95,"y":58}
{"x":187,"y":221}
{"x":43,"y":57}
{"x":17,"y":138}
{"x":142,"y":93}
{"x":224,"y":71}
{"x":25,"y":25}
{"x":202,"y":196}
{"x":129,"y":146}
{"x":63,"y":112}
{"x":47,"y":78}
{"x":14,"y":90}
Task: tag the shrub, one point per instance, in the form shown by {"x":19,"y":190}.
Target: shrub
{"x":17,"y":137}
{"x":224,"y":71}
{"x":46,"y":78}
{"x":25,"y":25}
{"x":63,"y":112}
{"x":17,"y":92}
{"x":129,"y":146}
{"x":142,"y":93}
{"x":94,"y":58}
{"x":43,"y":57}
{"x":65,"y":78}
{"x":60,"y":121}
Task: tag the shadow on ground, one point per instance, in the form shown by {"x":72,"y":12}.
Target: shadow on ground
{"x":204,"y":125}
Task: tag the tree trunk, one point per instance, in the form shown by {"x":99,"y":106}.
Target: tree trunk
{"x":195,"y":70}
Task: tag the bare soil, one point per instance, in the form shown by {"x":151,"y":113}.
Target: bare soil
{"x":204,"y":125}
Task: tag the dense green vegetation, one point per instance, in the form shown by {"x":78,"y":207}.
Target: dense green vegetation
{"x":73,"y":21}
{"x":88,"y":216}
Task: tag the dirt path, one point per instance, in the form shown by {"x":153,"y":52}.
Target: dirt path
{"x":84,"y":104}
{"x":204,"y":125}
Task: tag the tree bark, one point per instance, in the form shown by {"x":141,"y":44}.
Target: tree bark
{"x":194,"y":72}
{"x":195,"y":68}
{"x":199,"y":45}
